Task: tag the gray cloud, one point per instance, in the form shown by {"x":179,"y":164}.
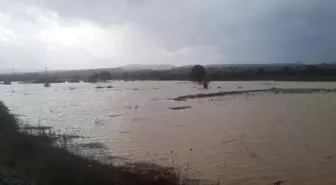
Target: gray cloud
{"x":168,"y":31}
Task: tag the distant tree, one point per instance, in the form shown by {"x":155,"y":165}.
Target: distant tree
{"x":215,"y":76}
{"x":311,"y":70}
{"x":93,"y":78}
{"x":101,"y":76}
{"x":198,"y":73}
{"x":105,"y":75}
{"x":75,"y":79}
{"x":260,"y":71}
{"x":286,"y":70}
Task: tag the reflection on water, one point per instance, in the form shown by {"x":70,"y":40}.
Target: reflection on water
{"x":239,"y":139}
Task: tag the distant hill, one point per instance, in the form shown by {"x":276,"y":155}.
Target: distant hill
{"x":139,"y":67}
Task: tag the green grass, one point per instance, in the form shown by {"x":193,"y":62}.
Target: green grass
{"x":39,"y":158}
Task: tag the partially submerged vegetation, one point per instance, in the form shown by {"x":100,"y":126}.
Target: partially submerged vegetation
{"x":42,"y":157}
{"x":180,"y":108}
{"x":102,"y":87}
{"x":271,"y":90}
{"x":198,"y":74}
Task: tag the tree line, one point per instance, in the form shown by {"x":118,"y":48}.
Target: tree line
{"x":285,"y":73}
{"x":322,"y":72}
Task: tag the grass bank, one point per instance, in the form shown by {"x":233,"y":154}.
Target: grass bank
{"x":39,"y":158}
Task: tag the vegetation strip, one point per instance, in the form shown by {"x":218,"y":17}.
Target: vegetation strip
{"x":272,"y":90}
{"x":43,"y":158}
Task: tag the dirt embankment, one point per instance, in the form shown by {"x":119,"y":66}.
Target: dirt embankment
{"x":271,"y":90}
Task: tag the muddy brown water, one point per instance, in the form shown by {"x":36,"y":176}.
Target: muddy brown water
{"x":245,"y":139}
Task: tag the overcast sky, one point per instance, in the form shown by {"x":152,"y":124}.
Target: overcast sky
{"x":72,"y":34}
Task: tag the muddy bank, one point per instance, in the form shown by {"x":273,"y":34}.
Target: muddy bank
{"x":44,"y":158}
{"x":271,"y":90}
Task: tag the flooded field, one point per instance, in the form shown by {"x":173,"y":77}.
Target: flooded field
{"x":248,"y":138}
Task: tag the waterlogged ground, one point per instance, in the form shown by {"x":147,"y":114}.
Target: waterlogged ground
{"x":253,"y":138}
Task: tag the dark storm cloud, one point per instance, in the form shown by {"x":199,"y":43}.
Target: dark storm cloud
{"x":233,"y":31}
{"x":245,"y":31}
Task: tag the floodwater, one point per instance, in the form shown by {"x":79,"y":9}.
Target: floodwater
{"x":239,"y":139}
